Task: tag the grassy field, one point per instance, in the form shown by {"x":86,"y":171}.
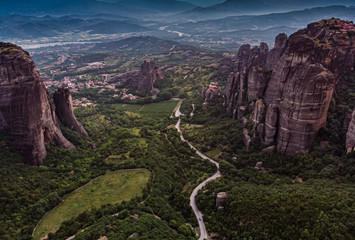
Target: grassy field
{"x":111,"y":188}
{"x":158,"y":110}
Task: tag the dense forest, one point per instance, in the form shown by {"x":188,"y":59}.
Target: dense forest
{"x":306,"y":196}
{"x":120,"y":139}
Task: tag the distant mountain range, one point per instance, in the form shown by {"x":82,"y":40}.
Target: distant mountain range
{"x":234,"y":31}
{"x":140,"y":45}
{"x":162,"y":6}
{"x":63,"y":7}
{"x":23,"y":27}
{"x":244,"y":7}
{"x":204,"y":3}
{"x":294,"y":19}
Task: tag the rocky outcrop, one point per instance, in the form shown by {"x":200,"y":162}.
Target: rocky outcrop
{"x":249,"y":78}
{"x":141,"y":80}
{"x":225,"y":64}
{"x":25,"y":106}
{"x":246,"y":139}
{"x":275,"y":53}
{"x":3,"y":123}
{"x":350,"y":135}
{"x":257,"y":115}
{"x":271,"y":123}
{"x":210,"y":92}
{"x":65,"y":113}
{"x":304,"y":107}
{"x":235,"y":90}
{"x":296,"y":80}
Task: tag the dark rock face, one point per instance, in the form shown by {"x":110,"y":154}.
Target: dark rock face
{"x":64,"y":110}
{"x":275,"y":54}
{"x":350,"y":135}
{"x":225,"y":64}
{"x":26,"y":110}
{"x":304,"y":107}
{"x":296,"y":79}
{"x":3,"y":123}
{"x":143,"y":79}
{"x":249,"y":78}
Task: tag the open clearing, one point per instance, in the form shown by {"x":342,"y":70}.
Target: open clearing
{"x":155,"y":110}
{"x":113,"y":187}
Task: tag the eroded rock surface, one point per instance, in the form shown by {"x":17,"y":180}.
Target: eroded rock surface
{"x":350,"y":136}
{"x":64,"y":110}
{"x":25,"y":106}
{"x":296,"y":80}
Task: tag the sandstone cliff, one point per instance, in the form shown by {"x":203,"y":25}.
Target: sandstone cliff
{"x":26,"y":110}
{"x":350,"y":136}
{"x":143,"y":79}
{"x":64,"y":110}
{"x":296,"y":81}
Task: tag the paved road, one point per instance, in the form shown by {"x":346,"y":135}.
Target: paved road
{"x":198,"y":214}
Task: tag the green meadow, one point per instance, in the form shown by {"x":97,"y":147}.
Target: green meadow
{"x":113,"y":187}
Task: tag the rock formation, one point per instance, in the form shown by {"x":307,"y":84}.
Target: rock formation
{"x":296,"y":80}
{"x":26,"y":110}
{"x":213,"y":90}
{"x":64,"y":110}
{"x":225,"y":64}
{"x":220,"y":200}
{"x":142,"y":80}
{"x":350,"y":135}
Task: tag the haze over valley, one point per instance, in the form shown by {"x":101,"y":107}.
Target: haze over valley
{"x":177,"y":119}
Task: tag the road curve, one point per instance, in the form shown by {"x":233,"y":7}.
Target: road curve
{"x":198,"y":214}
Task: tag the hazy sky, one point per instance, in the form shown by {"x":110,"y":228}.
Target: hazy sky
{"x":203,"y":2}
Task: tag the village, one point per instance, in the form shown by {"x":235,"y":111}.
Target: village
{"x":78,"y":83}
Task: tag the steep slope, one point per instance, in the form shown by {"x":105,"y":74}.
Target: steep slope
{"x":64,"y":109}
{"x":26,"y":110}
{"x":296,"y":81}
{"x":350,"y":136}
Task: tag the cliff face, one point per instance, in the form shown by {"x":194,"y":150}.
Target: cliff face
{"x":25,"y":107}
{"x":296,"y":81}
{"x":64,"y":110}
{"x":350,"y":136}
{"x":142,"y":80}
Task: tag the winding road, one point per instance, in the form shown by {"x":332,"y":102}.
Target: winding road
{"x":198,"y":214}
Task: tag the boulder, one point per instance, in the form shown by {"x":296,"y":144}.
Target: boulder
{"x":259,"y":166}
